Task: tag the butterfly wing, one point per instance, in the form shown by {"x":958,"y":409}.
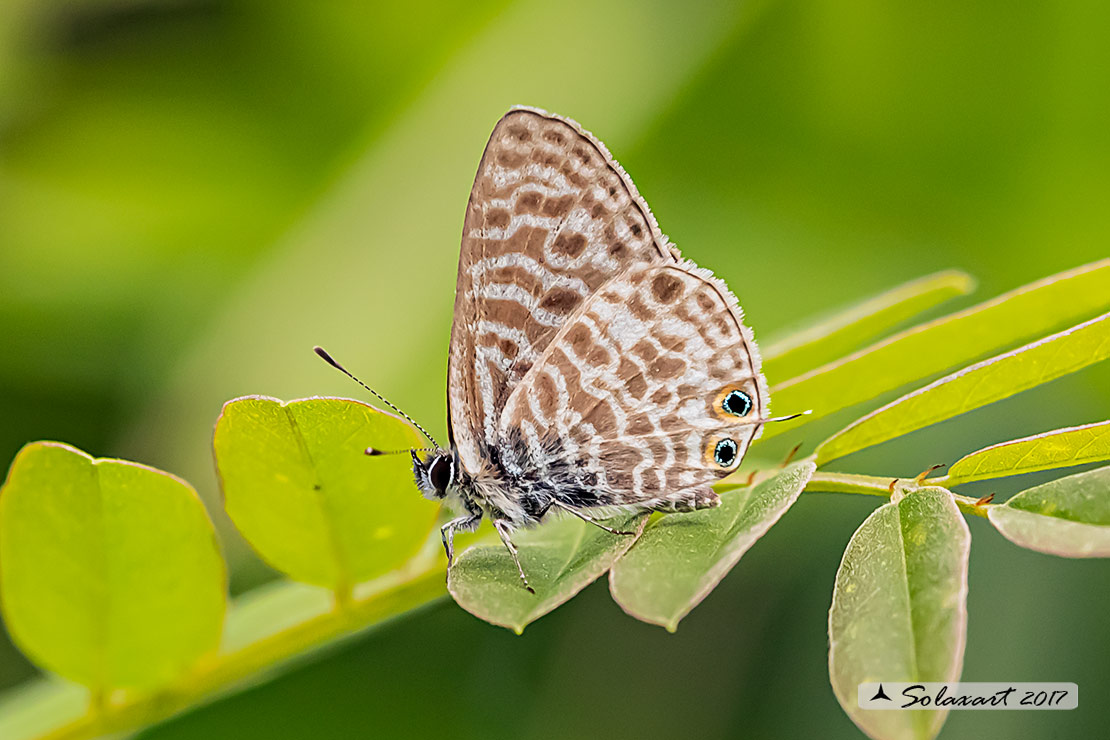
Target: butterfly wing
{"x":633,"y":401}
{"x":551,"y":218}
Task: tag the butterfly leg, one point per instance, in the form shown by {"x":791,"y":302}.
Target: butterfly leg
{"x":447,"y":533}
{"x":502,"y":528}
{"x":586,"y":517}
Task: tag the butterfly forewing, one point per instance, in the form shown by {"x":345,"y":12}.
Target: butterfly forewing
{"x":551,"y":218}
{"x":649,"y":392}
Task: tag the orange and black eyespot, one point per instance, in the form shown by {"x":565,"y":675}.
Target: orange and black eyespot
{"x":737,"y":403}
{"x":733,"y":402}
{"x":724,"y":454}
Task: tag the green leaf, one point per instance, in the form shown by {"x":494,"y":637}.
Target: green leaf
{"x":110,"y":573}
{"x":899,"y":608}
{"x":845,"y":331}
{"x":978,"y":385}
{"x":298,"y":486}
{"x":560,"y":558}
{"x":1019,"y":316}
{"x":682,"y":557}
{"x":1069,"y":516}
{"x":1059,"y":448}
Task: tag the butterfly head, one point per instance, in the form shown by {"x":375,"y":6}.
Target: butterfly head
{"x":435,"y":473}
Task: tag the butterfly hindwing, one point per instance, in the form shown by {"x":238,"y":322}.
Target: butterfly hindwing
{"x":633,"y":396}
{"x":551,"y":218}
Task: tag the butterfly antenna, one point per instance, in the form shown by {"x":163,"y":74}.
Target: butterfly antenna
{"x":331,"y":361}
{"x":374,"y":451}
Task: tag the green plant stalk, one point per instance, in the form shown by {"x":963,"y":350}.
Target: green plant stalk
{"x":876,"y":486}
{"x":422,"y":583}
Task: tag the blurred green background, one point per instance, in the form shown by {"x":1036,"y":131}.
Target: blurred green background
{"x":194,"y":192}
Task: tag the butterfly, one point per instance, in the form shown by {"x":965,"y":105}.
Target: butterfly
{"x":592,"y":369}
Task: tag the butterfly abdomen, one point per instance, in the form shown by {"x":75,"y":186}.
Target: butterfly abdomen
{"x":521,"y":481}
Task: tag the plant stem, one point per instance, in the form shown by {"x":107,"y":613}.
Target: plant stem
{"x":875,"y":486}
{"x":344,"y":596}
{"x":98,"y":702}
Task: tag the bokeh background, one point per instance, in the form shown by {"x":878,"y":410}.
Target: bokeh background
{"x":194,"y":192}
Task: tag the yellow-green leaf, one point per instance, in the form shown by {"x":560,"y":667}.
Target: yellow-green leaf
{"x":847,"y":330}
{"x":1069,"y":516}
{"x":975,"y":386}
{"x":681,"y":558}
{"x":899,"y":608}
{"x":923,"y":351}
{"x":299,"y":488}
{"x":110,"y":574}
{"x":1059,"y":448}
{"x":560,"y":558}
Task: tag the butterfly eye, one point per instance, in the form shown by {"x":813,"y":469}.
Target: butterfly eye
{"x":441,"y":473}
{"x":725,"y":454}
{"x":737,"y":403}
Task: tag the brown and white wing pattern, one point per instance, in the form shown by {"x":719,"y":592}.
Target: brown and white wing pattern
{"x":650,"y":392}
{"x":551,"y":218}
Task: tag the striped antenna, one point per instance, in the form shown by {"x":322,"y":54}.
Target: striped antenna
{"x":331,"y":361}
